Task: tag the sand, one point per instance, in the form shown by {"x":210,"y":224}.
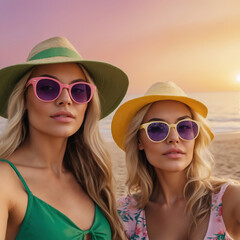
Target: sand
{"x":225,"y":148}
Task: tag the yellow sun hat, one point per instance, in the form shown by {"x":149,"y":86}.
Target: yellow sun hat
{"x":157,"y":92}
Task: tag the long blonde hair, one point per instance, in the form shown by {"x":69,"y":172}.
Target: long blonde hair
{"x":85,"y":156}
{"x":200,"y":184}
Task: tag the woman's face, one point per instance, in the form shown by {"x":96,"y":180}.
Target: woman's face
{"x":62,"y":117}
{"x":173,"y":154}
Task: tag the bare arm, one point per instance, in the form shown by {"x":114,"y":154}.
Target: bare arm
{"x":5,"y":187}
{"x":3,"y":216}
{"x":231,"y":210}
{"x":236,"y":212}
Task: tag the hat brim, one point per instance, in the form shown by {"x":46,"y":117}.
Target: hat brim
{"x":111,"y":82}
{"x":128,"y":110}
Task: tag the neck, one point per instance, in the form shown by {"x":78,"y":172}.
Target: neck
{"x":169,"y":187}
{"x":42,"y":151}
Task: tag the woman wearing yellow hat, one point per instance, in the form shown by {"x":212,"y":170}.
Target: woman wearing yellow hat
{"x":172,"y":194}
{"x":55,"y":171}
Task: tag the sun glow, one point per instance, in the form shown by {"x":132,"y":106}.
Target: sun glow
{"x":238,"y":78}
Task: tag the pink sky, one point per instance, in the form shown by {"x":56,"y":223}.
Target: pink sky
{"x":193,"y":43}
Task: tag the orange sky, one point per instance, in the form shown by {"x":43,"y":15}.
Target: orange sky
{"x":194,"y":43}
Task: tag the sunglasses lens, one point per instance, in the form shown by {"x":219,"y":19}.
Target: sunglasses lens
{"x":157,"y":131}
{"x":81,"y":92}
{"x":47,"y":89}
{"x":187,"y":130}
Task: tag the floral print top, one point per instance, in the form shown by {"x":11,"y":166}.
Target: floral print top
{"x":135,"y":222}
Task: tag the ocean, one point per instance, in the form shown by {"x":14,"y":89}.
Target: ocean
{"x":223,"y":115}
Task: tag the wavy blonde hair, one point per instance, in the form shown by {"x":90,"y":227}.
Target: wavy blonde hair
{"x":141,"y":180}
{"x":85,"y":156}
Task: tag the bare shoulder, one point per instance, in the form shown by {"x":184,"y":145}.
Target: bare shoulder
{"x":9,"y":180}
{"x":231,"y":208}
{"x":6,"y":170}
{"x":6,"y":173}
{"x":13,"y":201}
{"x":232,"y":195}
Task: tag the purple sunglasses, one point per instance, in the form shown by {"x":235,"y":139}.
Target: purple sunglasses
{"x":48,"y":89}
{"x":158,"y":131}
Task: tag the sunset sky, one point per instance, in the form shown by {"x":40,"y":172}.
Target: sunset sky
{"x":193,"y":43}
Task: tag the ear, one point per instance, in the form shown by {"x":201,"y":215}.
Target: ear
{"x":140,"y":144}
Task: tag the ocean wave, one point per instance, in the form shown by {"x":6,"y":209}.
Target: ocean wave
{"x":224,"y":119}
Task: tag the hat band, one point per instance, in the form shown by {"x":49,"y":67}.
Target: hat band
{"x":55,"y":52}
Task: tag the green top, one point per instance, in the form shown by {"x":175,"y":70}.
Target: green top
{"x":43,"y":221}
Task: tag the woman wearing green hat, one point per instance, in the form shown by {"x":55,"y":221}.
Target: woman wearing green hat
{"x":56,"y":180}
{"x":172,"y":194}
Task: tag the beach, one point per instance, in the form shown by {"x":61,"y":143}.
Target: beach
{"x":225,"y":148}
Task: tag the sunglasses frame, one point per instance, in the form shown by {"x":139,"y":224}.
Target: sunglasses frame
{"x":35,"y":80}
{"x":173,"y":125}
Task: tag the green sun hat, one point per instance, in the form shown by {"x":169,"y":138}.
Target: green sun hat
{"x":111,"y":82}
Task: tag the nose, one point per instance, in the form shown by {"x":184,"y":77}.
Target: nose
{"x":64,"y":98}
{"x":173,"y":136}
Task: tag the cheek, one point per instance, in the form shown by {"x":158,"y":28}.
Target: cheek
{"x":189,"y":146}
{"x":35,"y":108}
{"x":81,"y":113}
{"x":31,"y":101}
{"x":142,"y":140}
{"x":37,"y":113}
{"x":151,"y":149}
{"x":81,"y":110}
{"x":33,"y":105}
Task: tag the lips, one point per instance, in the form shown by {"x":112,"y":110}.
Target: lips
{"x":63,"y":116}
{"x":174,"y":153}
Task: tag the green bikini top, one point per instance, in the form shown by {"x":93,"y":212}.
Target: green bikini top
{"x":44,"y":222}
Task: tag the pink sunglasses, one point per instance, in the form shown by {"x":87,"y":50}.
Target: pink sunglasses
{"x":48,"y":89}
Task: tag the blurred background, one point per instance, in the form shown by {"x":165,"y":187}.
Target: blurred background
{"x":194,"y":43}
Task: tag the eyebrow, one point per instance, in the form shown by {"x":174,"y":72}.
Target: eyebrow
{"x":73,"y":81}
{"x":161,"y":119}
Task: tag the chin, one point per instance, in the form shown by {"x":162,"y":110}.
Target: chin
{"x":67,"y":135}
{"x":63,"y":134}
{"x":173,"y":167}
